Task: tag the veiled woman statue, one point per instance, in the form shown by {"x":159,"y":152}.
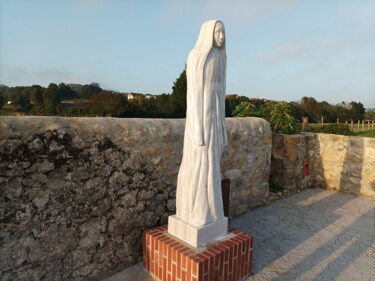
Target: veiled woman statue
{"x":198,"y":198}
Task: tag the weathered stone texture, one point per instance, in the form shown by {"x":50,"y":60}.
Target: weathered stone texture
{"x":345,"y":164}
{"x":335,"y":162}
{"x":77,"y":193}
{"x":289,"y":154}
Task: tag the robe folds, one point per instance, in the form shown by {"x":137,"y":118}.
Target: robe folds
{"x":198,"y":197}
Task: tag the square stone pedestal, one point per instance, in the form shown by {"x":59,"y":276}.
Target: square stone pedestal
{"x":169,"y":258}
{"x":197,"y":236}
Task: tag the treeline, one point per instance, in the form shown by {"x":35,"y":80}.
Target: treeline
{"x":306,"y":107}
{"x":91,"y":100}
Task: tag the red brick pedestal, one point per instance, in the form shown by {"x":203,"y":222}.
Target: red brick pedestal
{"x":170,"y":259}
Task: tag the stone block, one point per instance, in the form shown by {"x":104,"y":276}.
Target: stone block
{"x":197,"y":236}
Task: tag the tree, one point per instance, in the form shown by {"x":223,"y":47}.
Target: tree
{"x":178,"y":97}
{"x":20,"y":97}
{"x":36,"y":99}
{"x":51,"y":99}
{"x":280,"y":118}
{"x":244,"y":109}
{"x":66,"y":93}
{"x":88,"y":90}
{"x":357,"y":111}
{"x":278,"y":114}
{"x":309,"y":106}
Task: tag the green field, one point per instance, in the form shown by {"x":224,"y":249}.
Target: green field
{"x":366,"y":132}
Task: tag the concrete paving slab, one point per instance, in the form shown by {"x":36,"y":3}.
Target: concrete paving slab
{"x":313,"y":235}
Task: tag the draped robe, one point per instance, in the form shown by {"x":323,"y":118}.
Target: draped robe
{"x":198,"y":197}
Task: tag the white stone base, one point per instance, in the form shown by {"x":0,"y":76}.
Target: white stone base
{"x":197,"y":236}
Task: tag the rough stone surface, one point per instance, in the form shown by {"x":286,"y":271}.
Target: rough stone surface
{"x":289,"y":153}
{"x":345,"y":164}
{"x":334,"y":162}
{"x":77,"y":193}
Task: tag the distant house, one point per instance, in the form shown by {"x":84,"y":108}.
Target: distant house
{"x":232,"y":96}
{"x":149,"y":96}
{"x":133,"y":96}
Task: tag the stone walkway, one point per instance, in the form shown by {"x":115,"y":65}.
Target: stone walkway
{"x":313,"y":235}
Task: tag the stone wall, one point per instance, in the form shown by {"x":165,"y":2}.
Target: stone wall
{"x":334,"y":162}
{"x":292,"y":157}
{"x":76,"y":193}
{"x":345,"y":164}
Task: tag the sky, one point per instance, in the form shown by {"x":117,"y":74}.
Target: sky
{"x":276,"y":49}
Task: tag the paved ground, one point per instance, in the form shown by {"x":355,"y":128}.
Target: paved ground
{"x":313,"y":235}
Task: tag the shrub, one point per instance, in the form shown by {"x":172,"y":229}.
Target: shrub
{"x":278,"y":114}
{"x":337,"y":129}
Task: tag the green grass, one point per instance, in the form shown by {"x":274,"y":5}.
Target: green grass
{"x":370,"y":133}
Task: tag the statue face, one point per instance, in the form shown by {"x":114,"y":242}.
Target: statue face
{"x":219,"y":35}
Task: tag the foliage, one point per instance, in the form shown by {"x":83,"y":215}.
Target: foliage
{"x":278,"y":114}
{"x":338,"y":129}
{"x":357,"y":111}
{"x":368,"y":134}
{"x":370,"y":115}
{"x":51,"y":99}
{"x":92,"y":100}
{"x":244,"y":109}
{"x":309,"y":106}
{"x":178,"y":97}
{"x":280,"y":118}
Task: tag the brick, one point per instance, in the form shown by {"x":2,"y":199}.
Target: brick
{"x":183,"y":262}
{"x":226,"y":271}
{"x":165,"y":269}
{"x":168,"y":259}
{"x":178,"y":262}
{"x":194,"y":268}
{"x":213,"y":251}
{"x":159,"y":272}
{"x":183,"y":275}
{"x":174,"y":270}
{"x":189,"y":269}
{"x":200,"y":270}
{"x":169,"y":277}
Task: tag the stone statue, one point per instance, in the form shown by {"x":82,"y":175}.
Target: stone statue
{"x":198,"y":198}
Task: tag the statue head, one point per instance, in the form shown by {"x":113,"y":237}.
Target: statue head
{"x":219,"y":34}
{"x":211,"y":35}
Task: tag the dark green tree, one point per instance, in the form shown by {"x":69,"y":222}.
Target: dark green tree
{"x":51,"y":99}
{"x":36,"y":99}
{"x":178,"y":97}
{"x":2,"y":101}
{"x":20,"y":98}
{"x":357,"y":111}
{"x":309,"y":106}
{"x":66,"y":93}
{"x":277,"y":113}
{"x":88,"y":90}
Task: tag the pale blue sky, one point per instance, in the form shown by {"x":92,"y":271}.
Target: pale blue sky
{"x":281,"y":50}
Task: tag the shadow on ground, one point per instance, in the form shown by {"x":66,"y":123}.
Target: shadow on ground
{"x":314,"y":235}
